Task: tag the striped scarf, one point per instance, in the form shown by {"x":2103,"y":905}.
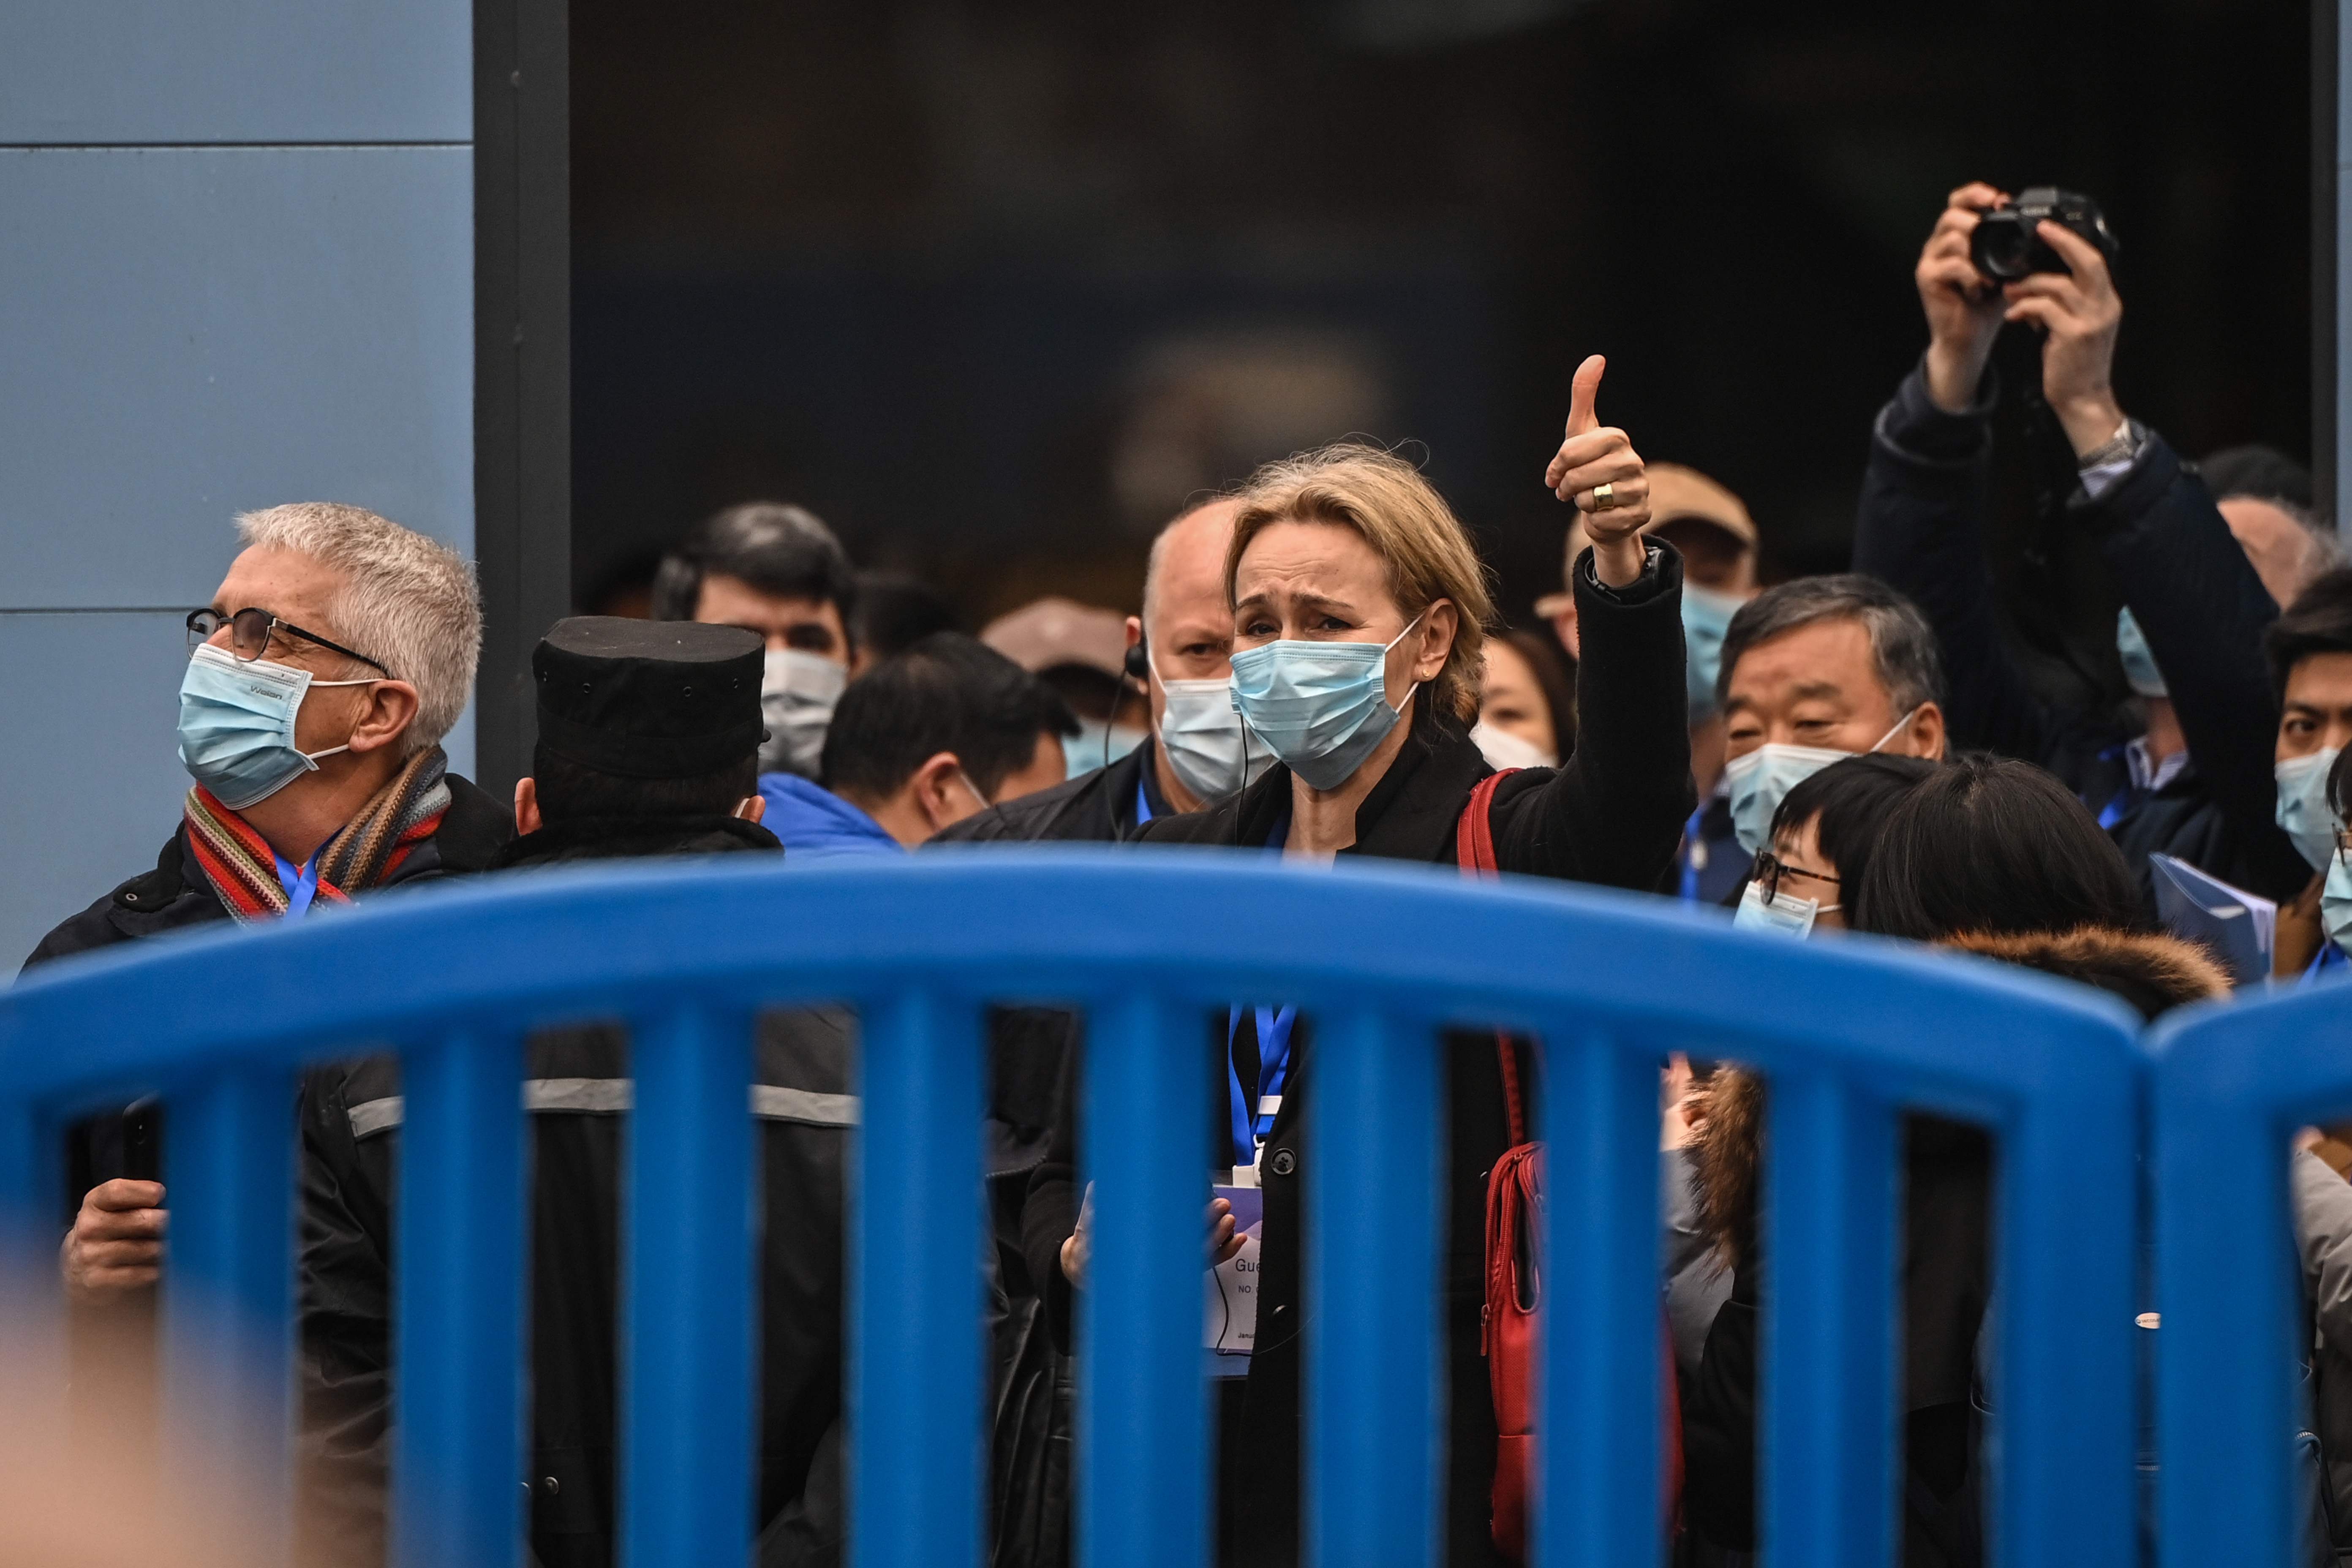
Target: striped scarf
{"x":243,"y":871}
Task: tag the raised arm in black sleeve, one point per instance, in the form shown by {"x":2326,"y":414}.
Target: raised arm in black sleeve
{"x":1920,"y":530}
{"x":1614,"y":813}
{"x":2203,"y":611}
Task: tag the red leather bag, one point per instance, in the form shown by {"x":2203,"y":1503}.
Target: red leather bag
{"x":1514,"y":1267}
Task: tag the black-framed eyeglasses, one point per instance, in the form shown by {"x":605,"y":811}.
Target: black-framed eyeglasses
{"x":250,"y":630}
{"x":2344,"y":843}
{"x":1771,"y":868}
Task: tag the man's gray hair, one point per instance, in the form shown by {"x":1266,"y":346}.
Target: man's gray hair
{"x":1901,"y":645}
{"x":404,"y":599}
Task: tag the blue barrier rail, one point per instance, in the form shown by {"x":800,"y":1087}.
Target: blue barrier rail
{"x":2231,"y":1085}
{"x":1853,"y":1033}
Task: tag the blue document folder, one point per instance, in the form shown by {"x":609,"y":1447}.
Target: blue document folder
{"x":2238,"y":928}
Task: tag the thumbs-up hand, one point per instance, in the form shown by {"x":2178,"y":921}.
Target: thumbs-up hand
{"x":1597,"y":468}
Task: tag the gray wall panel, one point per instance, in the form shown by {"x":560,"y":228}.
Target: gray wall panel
{"x":92,"y":783}
{"x":202,"y":332}
{"x":81,"y":71}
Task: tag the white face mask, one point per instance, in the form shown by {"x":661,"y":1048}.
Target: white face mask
{"x":1202,"y":736}
{"x":1785,"y":913}
{"x":1503,"y":750}
{"x":1762,"y":779}
{"x":797,"y":693}
{"x":2303,"y":812}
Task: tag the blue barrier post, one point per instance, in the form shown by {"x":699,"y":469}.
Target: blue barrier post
{"x":1599,"y":1442}
{"x":462,"y":1258}
{"x":2229,"y":1087}
{"x":915,"y":1349}
{"x":686,"y":1393}
{"x":1826,"y":1397}
{"x":1374,"y":1415}
{"x":229,"y":1170}
{"x":1143,"y":1458}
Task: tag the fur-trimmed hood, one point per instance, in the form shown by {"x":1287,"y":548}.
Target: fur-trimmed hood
{"x":2154,"y":974}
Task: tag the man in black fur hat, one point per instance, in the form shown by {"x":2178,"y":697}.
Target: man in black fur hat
{"x":648,"y":738}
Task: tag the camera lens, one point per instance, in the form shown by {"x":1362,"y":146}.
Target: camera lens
{"x":2001,"y":250}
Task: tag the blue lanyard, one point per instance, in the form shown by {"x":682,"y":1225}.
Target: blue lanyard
{"x":1273,"y":1064}
{"x":1252,"y":1123}
{"x":301,"y":887}
{"x":1142,"y":803}
{"x":1690,"y":867}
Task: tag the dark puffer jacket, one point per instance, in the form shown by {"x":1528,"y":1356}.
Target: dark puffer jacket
{"x":1947,"y":1276}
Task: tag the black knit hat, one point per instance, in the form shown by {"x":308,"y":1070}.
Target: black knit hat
{"x":649,"y":699}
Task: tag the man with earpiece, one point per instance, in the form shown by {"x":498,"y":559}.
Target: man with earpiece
{"x":1180,"y":653}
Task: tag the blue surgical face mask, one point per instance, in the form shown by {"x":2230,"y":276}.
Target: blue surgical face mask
{"x":1760,"y":781}
{"x":1707,"y":617}
{"x":2139,"y":664}
{"x":2303,"y":812}
{"x":1202,"y":736}
{"x":237,"y":725}
{"x":2336,"y":902}
{"x":1784,"y":912}
{"x":1321,"y":707}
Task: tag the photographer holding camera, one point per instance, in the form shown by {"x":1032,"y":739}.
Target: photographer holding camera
{"x":2194,"y":779}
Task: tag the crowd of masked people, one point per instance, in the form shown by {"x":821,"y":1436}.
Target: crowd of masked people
{"x":1318,"y":671}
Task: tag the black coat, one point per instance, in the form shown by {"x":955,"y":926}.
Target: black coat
{"x":2196,"y":596}
{"x":579,"y":1085}
{"x":1614,"y":815}
{"x":1096,"y":807}
{"x":175,"y":895}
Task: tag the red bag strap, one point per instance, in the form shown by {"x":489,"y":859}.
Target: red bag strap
{"x":1507,"y":1055}
{"x":1474,"y":830}
{"x":1474,"y":846}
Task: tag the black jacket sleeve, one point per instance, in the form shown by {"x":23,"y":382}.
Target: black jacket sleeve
{"x":2204,"y":610}
{"x":1614,"y":812}
{"x":1919,"y":530}
{"x":1049,"y":1211}
{"x":810,"y":1531}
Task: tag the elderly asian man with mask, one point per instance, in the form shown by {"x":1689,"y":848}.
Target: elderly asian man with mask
{"x":1816,"y":670}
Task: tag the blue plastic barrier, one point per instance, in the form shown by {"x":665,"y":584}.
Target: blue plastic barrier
{"x":2231,"y":1085}
{"x":1852,"y":1032}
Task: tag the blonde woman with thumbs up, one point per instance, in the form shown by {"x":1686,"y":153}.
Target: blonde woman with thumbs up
{"x":1360,"y":607}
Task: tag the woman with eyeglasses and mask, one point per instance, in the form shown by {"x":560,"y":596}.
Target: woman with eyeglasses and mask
{"x":1360,"y":609}
{"x":1820,"y":840}
{"x":1980,"y":855}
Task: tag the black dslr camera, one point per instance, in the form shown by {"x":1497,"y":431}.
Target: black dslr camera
{"x":2006,"y":248}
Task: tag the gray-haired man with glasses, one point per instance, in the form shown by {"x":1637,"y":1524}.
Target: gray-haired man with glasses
{"x":336,"y":654}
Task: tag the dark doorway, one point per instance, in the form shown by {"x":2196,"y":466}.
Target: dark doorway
{"x":992,"y":288}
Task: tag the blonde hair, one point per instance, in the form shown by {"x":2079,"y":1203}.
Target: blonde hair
{"x":1424,"y":549}
{"x":405,"y":599}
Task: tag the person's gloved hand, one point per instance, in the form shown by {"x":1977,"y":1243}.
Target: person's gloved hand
{"x":2081,"y":311}
{"x":1594,"y":455}
{"x":1964,"y":308}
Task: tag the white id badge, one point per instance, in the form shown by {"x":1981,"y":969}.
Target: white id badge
{"x":1230,"y":1333}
